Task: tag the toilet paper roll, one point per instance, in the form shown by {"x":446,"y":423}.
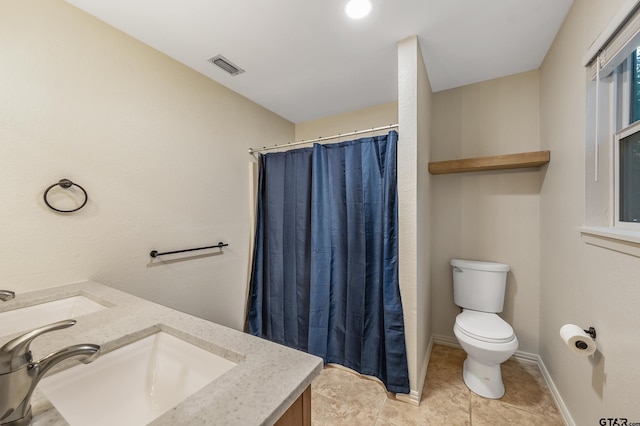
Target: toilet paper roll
{"x":577,"y":340}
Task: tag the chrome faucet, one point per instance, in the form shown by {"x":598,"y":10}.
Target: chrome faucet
{"x":6,"y":295}
{"x":20,"y":374}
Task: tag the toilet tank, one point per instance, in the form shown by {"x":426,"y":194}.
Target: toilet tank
{"x":479,"y":285}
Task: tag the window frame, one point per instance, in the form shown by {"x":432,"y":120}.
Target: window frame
{"x":608,"y":92}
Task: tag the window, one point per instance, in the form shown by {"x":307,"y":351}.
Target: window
{"x":626,"y":155}
{"x":628,"y":176}
{"x":612,"y":216}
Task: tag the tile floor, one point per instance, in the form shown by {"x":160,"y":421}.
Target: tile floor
{"x":340,"y":397}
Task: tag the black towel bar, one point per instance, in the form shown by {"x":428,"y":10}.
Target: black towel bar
{"x":154,"y":253}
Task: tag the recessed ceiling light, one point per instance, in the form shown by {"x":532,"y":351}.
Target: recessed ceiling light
{"x":357,"y":9}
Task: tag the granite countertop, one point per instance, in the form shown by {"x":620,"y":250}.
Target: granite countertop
{"x":267,"y":379}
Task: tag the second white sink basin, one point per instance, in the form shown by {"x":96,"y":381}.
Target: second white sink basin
{"x":30,"y":317}
{"x":134,"y":384}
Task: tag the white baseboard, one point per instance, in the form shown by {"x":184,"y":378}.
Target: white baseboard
{"x":423,"y":371}
{"x":562,"y":407}
{"x":446,"y":340}
{"x":526,"y":357}
{"x":412,"y":398}
{"x":415,"y":395}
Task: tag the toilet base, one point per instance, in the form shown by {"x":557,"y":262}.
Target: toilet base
{"x":485,"y":380}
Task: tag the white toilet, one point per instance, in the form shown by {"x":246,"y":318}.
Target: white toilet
{"x":488,"y":340}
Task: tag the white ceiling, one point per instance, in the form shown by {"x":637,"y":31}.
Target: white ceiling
{"x":306,"y":60}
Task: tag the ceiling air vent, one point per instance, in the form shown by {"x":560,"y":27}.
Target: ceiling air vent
{"x":226,"y":65}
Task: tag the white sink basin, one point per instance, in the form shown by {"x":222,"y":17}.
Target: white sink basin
{"x":134,"y":384}
{"x":24,"y":319}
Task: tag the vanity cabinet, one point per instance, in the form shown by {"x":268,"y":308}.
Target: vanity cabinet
{"x":299,"y":414}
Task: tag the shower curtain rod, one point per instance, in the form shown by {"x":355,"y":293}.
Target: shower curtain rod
{"x":324,"y":138}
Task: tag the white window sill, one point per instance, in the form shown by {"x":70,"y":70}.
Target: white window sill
{"x":620,"y":240}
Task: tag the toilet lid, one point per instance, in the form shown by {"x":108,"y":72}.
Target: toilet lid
{"x":484,"y":326}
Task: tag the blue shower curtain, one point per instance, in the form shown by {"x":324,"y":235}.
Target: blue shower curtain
{"x":325,"y":269}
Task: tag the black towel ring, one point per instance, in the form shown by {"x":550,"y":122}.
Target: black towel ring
{"x":66,"y":184}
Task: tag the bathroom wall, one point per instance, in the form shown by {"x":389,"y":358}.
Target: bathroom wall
{"x":580,"y":283}
{"x":414,"y":198}
{"x":423,"y":116}
{"x":363,"y":119}
{"x":161,"y":150}
{"x":491,"y":215}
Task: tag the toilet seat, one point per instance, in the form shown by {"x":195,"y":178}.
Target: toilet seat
{"x":484,"y":326}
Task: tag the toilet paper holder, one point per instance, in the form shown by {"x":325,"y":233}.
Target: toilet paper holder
{"x":583,"y":345}
{"x":591,"y":332}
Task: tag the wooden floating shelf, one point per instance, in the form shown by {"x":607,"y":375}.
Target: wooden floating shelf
{"x":496,"y":162}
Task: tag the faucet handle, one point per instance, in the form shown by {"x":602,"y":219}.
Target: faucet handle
{"x":16,"y":353}
{"x":7,"y":295}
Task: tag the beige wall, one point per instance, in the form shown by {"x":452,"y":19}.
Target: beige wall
{"x":492,"y":216}
{"x":582,"y":284}
{"x":414,"y":194}
{"x":423,"y":227}
{"x":161,"y":150}
{"x":367,"y":118}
